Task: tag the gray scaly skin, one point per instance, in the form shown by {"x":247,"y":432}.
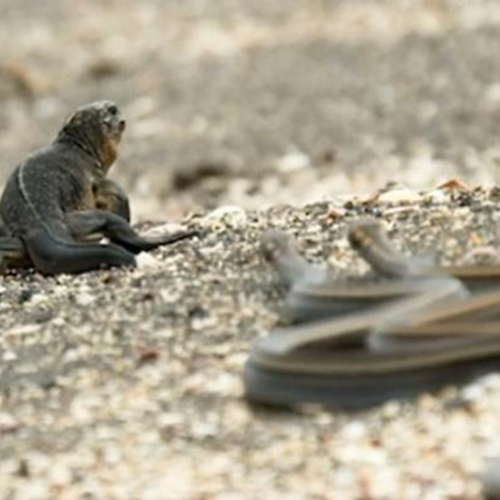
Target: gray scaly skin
{"x":423,"y":331}
{"x":108,"y":196}
{"x":59,"y":180}
{"x":368,"y":238}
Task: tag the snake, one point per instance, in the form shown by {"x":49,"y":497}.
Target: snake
{"x":353,"y":345}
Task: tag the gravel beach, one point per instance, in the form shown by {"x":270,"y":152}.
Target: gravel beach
{"x":127,"y":384}
{"x":243,"y":116}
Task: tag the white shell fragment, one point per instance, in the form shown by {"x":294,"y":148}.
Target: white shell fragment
{"x":228,"y":215}
{"x":399,"y":195}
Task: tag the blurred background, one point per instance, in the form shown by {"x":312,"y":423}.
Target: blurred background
{"x":261,"y":102}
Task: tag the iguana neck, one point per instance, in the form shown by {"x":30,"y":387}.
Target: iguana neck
{"x":87,"y":143}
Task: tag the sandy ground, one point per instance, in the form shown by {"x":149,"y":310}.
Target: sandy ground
{"x":126,"y":384}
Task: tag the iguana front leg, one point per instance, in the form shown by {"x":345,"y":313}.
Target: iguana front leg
{"x":110,"y":197}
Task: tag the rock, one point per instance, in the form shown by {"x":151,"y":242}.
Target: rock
{"x":163,"y":230}
{"x":229,"y":215}
{"x":292,"y":162}
{"x":399,"y":195}
{"x":146,"y":261}
{"x":22,"y":330}
{"x":8,"y":423}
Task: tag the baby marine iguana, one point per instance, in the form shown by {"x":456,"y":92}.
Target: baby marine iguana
{"x":108,"y":196}
{"x":60,"y":180}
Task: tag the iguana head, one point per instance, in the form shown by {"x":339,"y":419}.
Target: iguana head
{"x":97,"y":129}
